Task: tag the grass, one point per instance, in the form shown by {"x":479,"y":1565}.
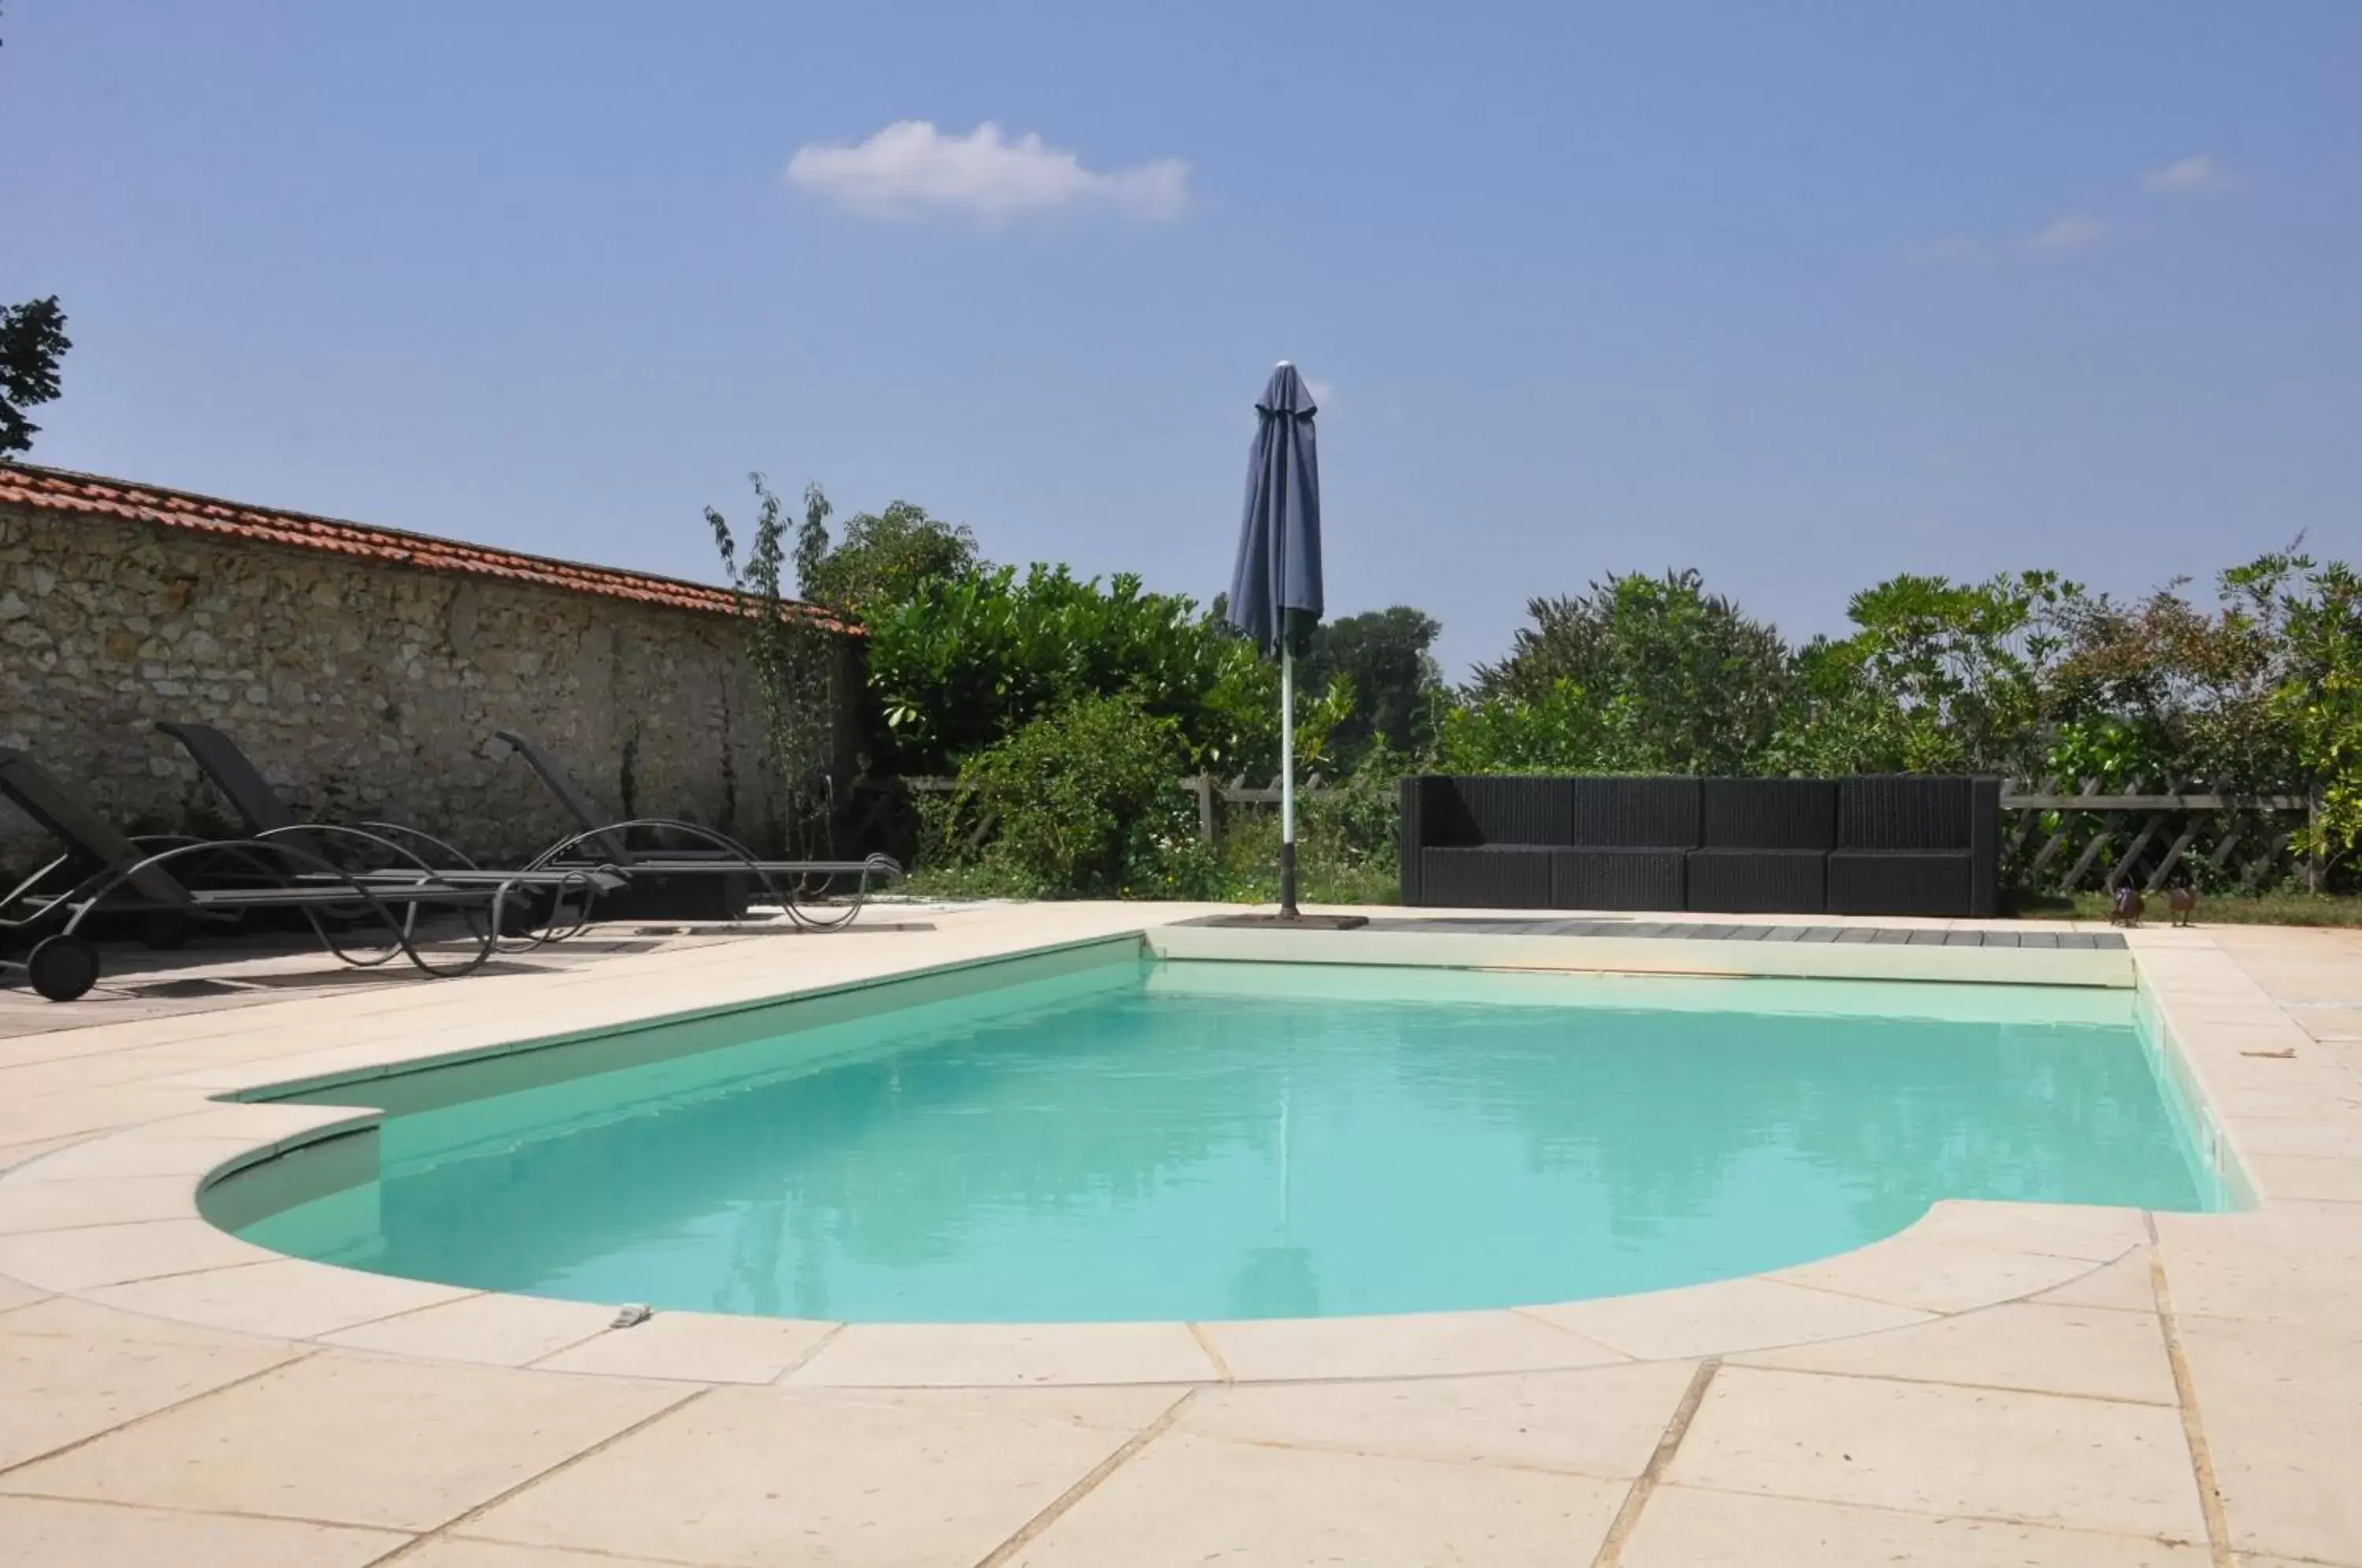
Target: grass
{"x":2216,"y":909}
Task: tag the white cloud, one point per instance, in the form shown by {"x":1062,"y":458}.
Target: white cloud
{"x":2196,"y":176}
{"x":911,"y":169}
{"x":2076,"y":231}
{"x":1953,"y":248}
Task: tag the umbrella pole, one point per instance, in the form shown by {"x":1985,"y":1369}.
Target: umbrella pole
{"x":1286,"y":781}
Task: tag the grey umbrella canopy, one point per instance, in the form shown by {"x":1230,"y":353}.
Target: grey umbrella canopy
{"x":1275,"y":588}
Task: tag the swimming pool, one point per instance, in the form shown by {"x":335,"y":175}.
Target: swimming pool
{"x":1096,"y":1136}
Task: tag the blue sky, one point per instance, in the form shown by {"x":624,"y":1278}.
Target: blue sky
{"x":1801,"y":296}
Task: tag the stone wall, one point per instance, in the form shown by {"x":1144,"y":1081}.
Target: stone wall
{"x":362,"y":688}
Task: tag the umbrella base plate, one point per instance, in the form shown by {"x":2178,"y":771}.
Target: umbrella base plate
{"x":1293,"y":923}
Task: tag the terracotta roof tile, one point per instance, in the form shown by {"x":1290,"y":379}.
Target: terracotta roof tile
{"x":57,"y":489}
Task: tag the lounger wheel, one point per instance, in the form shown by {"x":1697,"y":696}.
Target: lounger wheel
{"x":62,"y":967}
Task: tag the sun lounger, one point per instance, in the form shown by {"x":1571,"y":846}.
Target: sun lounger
{"x":715,"y":880}
{"x":721,"y":856}
{"x":219,"y":880}
{"x":266,"y":816}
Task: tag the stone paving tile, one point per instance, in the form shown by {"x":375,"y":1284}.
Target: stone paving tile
{"x":1438,"y":1344}
{"x":67,"y":1316}
{"x":2040,"y":1349}
{"x":79,"y":1111}
{"x":2308,"y":1179}
{"x":351,"y":1440}
{"x":501,"y":1330}
{"x":94,"y":1255}
{"x":459,"y":1551}
{"x":2326,"y":1137}
{"x":1935,"y":1274}
{"x":64,"y":1205}
{"x":13,"y":1295}
{"x":922,"y":1356}
{"x":762,"y":1476}
{"x":2282,"y":1405}
{"x":2300,"y":1104}
{"x":1685,"y":1528}
{"x":2280,"y":1265}
{"x":57,"y":1389}
{"x":1930,"y":1448}
{"x":49,"y":1531}
{"x":15,"y":1155}
{"x":1728,"y":1314}
{"x":155,"y":1154}
{"x":1602,"y":1421}
{"x":698,"y":1347}
{"x":2332,"y":1023}
{"x":1297,"y":1505}
{"x":2123,"y":1284}
{"x":2275,"y":1276}
{"x":286,"y":1296}
{"x":2092,"y":1232}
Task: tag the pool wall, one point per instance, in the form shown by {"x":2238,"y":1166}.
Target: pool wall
{"x":2178,"y":1065}
{"x":1899,"y":953}
{"x":1882,"y":980}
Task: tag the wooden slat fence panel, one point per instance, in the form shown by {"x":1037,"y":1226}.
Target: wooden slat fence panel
{"x":2146,"y":836}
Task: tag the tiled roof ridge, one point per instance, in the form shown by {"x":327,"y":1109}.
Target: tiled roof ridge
{"x":64,"y":489}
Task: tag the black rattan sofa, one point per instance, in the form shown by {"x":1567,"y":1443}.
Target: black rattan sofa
{"x":1863,"y":845}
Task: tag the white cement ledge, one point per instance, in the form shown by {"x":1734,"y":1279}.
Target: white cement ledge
{"x":2109,"y":968}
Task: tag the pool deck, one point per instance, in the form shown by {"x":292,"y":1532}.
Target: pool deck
{"x":1999,"y":1384}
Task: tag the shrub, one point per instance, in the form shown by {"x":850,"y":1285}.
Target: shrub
{"x":1681,"y":679}
{"x":967,"y":661}
{"x":1079,"y":796}
{"x":1558,"y":729}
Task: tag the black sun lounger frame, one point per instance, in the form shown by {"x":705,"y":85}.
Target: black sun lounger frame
{"x":136,"y":876}
{"x":266,"y":816}
{"x":726,"y":857}
{"x":713,"y":881}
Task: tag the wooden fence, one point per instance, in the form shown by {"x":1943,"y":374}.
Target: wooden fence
{"x":2064,"y":840}
{"x":2061,"y":840}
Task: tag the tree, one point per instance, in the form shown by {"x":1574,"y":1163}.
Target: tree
{"x":2314,"y":610}
{"x":32,"y":340}
{"x":1382,"y":657}
{"x":883,"y":560}
{"x":969,"y":660}
{"x":1964,"y":662}
{"x":791,"y":659}
{"x":1684,"y":681}
{"x":2161,"y":688}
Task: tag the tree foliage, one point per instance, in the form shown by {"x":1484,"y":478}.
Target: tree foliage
{"x":1094,"y":685}
{"x":1080,"y":794}
{"x":1382,"y":658}
{"x":2316,"y":609}
{"x":1936,"y":677}
{"x":32,"y":341}
{"x":968,"y":660}
{"x":883,"y":559}
{"x":792,"y":661}
{"x":1683,"y":681}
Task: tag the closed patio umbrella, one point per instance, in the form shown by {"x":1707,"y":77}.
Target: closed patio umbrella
{"x":1275,"y":587}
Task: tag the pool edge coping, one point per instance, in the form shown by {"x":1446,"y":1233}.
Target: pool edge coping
{"x":1963,"y":1255}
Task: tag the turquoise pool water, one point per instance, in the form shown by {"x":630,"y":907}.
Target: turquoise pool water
{"x":1129,"y":1140}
